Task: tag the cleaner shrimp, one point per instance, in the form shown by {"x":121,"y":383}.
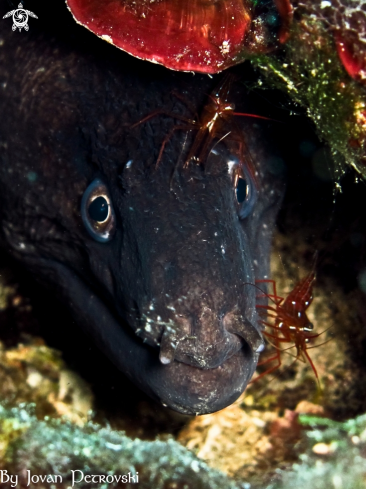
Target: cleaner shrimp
{"x":287,"y":321}
{"x":215,"y":124}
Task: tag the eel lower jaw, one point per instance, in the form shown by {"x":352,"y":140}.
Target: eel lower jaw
{"x":196,"y":391}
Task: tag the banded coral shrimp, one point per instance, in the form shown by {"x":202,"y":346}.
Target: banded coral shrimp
{"x":286,"y":322}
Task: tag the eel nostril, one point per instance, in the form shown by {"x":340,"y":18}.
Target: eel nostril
{"x":247,"y":349}
{"x":242,"y":327}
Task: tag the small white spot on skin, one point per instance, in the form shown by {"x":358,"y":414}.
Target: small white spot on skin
{"x":293,"y":302}
{"x":255,"y":262}
{"x":222,"y":249}
{"x":129,"y":163}
{"x":265,"y":226}
{"x":260,"y":348}
{"x":151,"y":307}
{"x":131,"y":208}
{"x":230,"y":166}
{"x":171,"y":308}
{"x":148,"y":328}
{"x":159,"y":318}
{"x":215,"y":234}
{"x":21,"y":246}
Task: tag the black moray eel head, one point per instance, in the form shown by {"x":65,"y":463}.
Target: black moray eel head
{"x":170,"y":247}
{"x":153,"y":262}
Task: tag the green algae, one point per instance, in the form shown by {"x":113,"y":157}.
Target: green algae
{"x":308,"y":69}
{"x":56,"y":447}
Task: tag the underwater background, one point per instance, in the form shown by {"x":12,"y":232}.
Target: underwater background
{"x":63,"y":404}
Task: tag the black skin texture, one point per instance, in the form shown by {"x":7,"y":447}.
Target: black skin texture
{"x":67,"y":103}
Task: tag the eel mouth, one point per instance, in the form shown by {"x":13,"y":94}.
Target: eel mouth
{"x":201,"y":356}
{"x":182,"y":387}
{"x":196,"y":391}
{"x":206,"y":371}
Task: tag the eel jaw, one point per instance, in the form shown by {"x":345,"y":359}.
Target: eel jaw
{"x":181,"y":387}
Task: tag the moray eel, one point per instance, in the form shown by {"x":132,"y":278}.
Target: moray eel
{"x":154,"y":263}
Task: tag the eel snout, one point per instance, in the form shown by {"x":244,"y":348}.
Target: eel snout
{"x":209,"y":339}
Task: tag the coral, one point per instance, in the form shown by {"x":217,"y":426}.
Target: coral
{"x":310,"y":70}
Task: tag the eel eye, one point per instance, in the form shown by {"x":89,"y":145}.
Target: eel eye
{"x":245,"y":191}
{"x":97,"y":212}
{"x":242,"y":190}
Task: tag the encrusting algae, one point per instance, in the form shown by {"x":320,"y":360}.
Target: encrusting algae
{"x":54,"y":447}
{"x":309,"y":69}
